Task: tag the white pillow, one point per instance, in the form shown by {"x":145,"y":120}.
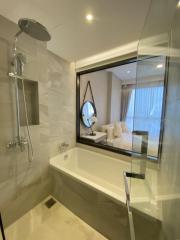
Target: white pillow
{"x":124,"y":127}
{"x":105,"y":127}
{"x":117,"y":129}
{"x":110,"y":133}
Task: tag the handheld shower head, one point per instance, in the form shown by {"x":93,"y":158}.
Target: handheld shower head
{"x":20,"y":62}
{"x":21,"y":58}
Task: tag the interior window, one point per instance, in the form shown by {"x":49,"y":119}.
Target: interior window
{"x":113,"y":105}
{"x":148,"y":113}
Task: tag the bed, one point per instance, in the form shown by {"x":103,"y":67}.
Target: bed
{"x":125,"y":140}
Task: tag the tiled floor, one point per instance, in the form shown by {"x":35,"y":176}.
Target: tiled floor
{"x":56,"y":223}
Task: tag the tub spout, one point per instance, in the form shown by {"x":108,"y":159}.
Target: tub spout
{"x":63,"y":147}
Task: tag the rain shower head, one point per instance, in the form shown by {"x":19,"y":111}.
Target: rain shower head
{"x":33,"y":29}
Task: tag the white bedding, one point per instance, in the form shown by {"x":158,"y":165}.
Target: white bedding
{"x":125,"y":141}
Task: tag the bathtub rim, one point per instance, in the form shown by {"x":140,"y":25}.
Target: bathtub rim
{"x":86,"y":181}
{"x":115,"y":196}
{"x":112,"y":198}
{"x":89,"y":183}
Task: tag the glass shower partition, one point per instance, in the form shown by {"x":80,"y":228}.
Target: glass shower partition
{"x":154,"y":181}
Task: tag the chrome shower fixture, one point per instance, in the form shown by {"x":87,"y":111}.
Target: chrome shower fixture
{"x":18,"y":62}
{"x":37,"y":31}
{"x":33,"y":29}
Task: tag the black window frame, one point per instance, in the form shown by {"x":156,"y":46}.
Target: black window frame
{"x":84,"y":141}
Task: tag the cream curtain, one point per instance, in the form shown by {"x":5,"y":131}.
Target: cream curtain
{"x":126,"y":92}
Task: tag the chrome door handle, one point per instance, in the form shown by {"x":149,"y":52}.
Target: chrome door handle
{"x":127,"y":175}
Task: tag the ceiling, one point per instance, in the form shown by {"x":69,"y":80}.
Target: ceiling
{"x":146,"y":69}
{"x":116,"y":22}
{"x":124,"y":72}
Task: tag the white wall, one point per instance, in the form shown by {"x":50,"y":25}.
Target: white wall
{"x":61,"y":103}
{"x":99,"y":84}
{"x":106,"y":89}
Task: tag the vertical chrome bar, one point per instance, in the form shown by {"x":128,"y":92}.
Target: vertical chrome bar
{"x":127,"y":175}
{"x":18,"y":64}
{"x":131,"y":225}
{"x":27,"y":123}
{"x":130,"y":217}
{"x":141,"y":175}
{"x":17,"y":109}
{"x":2,"y":228}
{"x":16,"y":86}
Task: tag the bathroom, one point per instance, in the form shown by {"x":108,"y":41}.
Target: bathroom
{"x":76,"y":160}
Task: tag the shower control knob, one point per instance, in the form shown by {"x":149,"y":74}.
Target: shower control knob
{"x":11,"y":144}
{"x":18,"y":142}
{"x":22,"y":143}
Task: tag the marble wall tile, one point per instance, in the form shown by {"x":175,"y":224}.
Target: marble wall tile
{"x":6,"y":117}
{"x":62,"y":85}
{"x":6,"y":91}
{"x":24,"y":184}
{"x":4,"y":56}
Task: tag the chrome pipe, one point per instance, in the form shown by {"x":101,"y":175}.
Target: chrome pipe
{"x":2,"y":228}
{"x":16,"y":90}
{"x":30,"y":146}
{"x":130,"y":216}
{"x":20,"y":141}
{"x":127,"y":175}
{"x":17,"y":110}
{"x":18,"y":33}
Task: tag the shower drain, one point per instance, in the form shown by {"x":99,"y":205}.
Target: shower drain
{"x":49,"y":203}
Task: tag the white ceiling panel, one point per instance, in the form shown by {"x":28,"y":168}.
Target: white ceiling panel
{"x":116,"y":22}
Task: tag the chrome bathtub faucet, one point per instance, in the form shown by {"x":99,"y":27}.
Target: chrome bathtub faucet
{"x":63,"y":147}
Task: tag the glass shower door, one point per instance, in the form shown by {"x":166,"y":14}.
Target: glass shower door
{"x":154,"y":178}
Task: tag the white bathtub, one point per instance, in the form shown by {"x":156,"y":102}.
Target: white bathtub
{"x":105,"y":174}
{"x":97,"y":170}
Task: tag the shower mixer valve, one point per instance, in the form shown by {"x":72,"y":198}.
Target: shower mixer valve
{"x":18,"y":142}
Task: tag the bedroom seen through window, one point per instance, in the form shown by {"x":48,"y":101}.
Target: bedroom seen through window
{"x":120,"y":103}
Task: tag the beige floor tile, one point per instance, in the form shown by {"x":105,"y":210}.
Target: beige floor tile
{"x":56,"y":223}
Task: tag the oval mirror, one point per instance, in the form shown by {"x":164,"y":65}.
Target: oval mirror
{"x":88,"y":111}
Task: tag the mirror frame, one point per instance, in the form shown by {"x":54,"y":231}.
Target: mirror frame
{"x":81,"y":115}
{"x":106,"y":147}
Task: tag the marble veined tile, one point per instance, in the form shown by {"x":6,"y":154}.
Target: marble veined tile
{"x":51,"y":224}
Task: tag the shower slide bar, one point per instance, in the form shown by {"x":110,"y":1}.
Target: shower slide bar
{"x":19,"y":140}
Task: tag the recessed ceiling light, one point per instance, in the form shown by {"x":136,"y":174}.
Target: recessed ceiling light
{"x":159,"y":66}
{"x":178,"y":5}
{"x":89,"y":17}
{"x":128,"y":72}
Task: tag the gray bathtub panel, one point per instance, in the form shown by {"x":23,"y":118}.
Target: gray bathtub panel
{"x":100,"y":211}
